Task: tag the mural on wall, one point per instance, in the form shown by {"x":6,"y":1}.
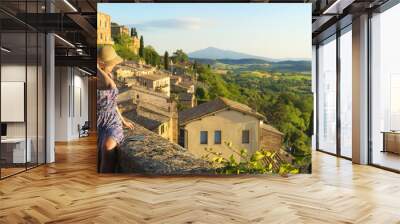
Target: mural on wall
{"x":204,"y":88}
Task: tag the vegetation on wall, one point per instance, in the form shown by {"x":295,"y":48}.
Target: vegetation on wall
{"x":260,"y":162}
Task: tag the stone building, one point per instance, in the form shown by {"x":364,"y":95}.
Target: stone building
{"x":184,"y":86}
{"x":140,"y":69}
{"x":104,"y":29}
{"x":124,"y":73}
{"x":187,"y":100}
{"x":153,"y":110}
{"x":184,"y":90}
{"x":210,"y":124}
{"x":117,"y":30}
{"x":135,"y":44}
{"x":157,"y":82}
{"x":156,"y":123}
{"x":175,"y":80}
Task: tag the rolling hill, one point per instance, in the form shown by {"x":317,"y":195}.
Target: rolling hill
{"x":216,"y":53}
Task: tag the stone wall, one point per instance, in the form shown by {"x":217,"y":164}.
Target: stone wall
{"x":270,"y":140}
{"x":152,"y":154}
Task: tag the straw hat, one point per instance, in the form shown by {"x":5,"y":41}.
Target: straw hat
{"x":108,"y":56}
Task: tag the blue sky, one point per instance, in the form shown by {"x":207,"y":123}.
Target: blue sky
{"x":268,"y":30}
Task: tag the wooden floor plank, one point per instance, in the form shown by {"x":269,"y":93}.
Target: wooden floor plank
{"x":70,"y":191}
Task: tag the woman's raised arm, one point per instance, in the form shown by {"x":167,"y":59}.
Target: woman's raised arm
{"x":108,"y":81}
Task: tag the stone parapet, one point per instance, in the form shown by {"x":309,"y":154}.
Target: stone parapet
{"x":152,"y":154}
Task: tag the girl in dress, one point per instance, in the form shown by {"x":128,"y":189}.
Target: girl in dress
{"x":109,"y":118}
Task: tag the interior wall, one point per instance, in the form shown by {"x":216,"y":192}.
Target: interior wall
{"x":80,"y":111}
{"x":71,"y":102}
{"x":61,"y":103}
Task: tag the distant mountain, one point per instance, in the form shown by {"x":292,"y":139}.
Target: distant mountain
{"x":242,"y":61}
{"x":216,"y":53}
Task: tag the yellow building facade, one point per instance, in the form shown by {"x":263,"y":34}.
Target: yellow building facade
{"x":104,"y":29}
{"x":230,"y":124}
{"x":135,"y":44}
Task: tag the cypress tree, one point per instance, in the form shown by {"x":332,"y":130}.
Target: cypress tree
{"x":166,"y":58}
{"x":141,"y":48}
{"x":133,"y":32}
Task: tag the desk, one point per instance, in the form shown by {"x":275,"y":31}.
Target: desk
{"x":13,"y":150}
{"x":391,"y":141}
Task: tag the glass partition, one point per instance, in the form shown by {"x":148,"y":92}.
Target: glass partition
{"x":385,"y":89}
{"x":346,"y":93}
{"x":31,"y":98}
{"x":22,"y":90}
{"x":41,"y":97}
{"x":13,"y":94}
{"x":327,"y":96}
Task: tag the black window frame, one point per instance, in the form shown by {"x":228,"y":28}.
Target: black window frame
{"x":244,"y":141}
{"x":215,"y":137}
{"x":201,"y":138}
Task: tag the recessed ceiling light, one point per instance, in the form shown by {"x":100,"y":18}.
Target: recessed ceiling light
{"x":5,"y":50}
{"x":337,"y":7}
{"x":64,"y":40}
{"x":70,"y":5}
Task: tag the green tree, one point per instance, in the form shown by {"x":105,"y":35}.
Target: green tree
{"x":180,"y":57}
{"x":141,"y":48}
{"x":123,"y":39}
{"x":166,"y":60}
{"x":123,"y":47}
{"x":133,"y":32}
{"x":201,"y":93}
{"x":126,"y":53}
{"x":151,"y":56}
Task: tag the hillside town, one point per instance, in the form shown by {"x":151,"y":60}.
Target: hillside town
{"x":163,"y":100}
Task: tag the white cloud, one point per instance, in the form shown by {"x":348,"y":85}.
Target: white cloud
{"x":181,"y":23}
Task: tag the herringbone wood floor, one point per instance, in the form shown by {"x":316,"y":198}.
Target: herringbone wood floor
{"x":70,"y":191}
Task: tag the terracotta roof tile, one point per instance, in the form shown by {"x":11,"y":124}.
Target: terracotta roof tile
{"x":218,"y":104}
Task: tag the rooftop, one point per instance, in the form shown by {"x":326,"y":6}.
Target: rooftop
{"x":155,"y":77}
{"x":213,"y":106}
{"x":270,"y":128}
{"x":148,"y":123}
{"x":186,"y":96}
